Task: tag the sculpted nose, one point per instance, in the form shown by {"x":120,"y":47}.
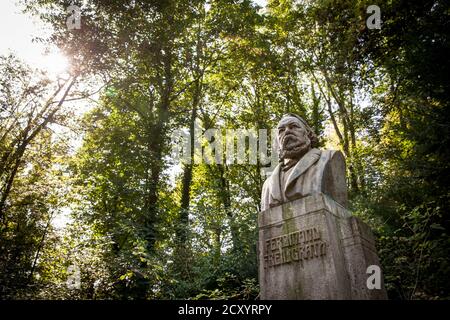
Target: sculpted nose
{"x":288,"y":129}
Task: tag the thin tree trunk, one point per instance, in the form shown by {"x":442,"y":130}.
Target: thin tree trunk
{"x":21,"y":150}
{"x":187,"y":179}
{"x":226,"y":200}
{"x":39,"y":248}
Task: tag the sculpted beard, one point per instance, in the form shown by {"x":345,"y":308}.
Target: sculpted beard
{"x":294,"y":146}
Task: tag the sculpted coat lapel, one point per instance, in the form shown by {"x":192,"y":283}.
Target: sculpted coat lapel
{"x":317,"y":171}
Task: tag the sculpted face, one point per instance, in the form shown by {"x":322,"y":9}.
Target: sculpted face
{"x":293,"y":138}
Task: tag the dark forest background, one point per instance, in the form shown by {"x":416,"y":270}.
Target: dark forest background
{"x":140,"y":225}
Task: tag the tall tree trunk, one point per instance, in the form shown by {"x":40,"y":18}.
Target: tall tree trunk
{"x":182,"y":249}
{"x":226,"y":200}
{"x":182,"y":235}
{"x":182,"y":230}
{"x":156,"y":142}
{"x":315,"y":111}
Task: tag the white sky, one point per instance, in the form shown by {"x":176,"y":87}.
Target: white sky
{"x":16,"y":33}
{"x":261,"y":3}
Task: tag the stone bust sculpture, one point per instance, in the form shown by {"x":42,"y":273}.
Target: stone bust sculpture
{"x":303,"y":169}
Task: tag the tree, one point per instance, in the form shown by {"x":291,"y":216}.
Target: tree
{"x":29,"y":177}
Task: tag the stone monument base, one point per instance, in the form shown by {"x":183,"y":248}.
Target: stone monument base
{"x":313,"y":248}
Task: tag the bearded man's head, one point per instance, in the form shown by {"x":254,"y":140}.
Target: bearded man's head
{"x":295,"y":137}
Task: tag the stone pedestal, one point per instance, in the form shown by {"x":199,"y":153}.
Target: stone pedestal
{"x":312,"y":248}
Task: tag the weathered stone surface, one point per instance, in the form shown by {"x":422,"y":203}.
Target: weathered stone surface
{"x":317,"y":171}
{"x":359,"y":253}
{"x":312,"y":248}
{"x":304,"y":170}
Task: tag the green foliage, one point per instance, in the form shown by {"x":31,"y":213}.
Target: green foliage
{"x":141,"y":225}
{"x":230,"y":288}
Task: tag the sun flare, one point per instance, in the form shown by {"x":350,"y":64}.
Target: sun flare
{"x":55,"y":63}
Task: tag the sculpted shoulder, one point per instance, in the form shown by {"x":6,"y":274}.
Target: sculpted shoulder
{"x":270,"y":188}
{"x":334,"y":177}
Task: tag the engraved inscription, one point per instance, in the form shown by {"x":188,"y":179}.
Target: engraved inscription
{"x":295,"y":246}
